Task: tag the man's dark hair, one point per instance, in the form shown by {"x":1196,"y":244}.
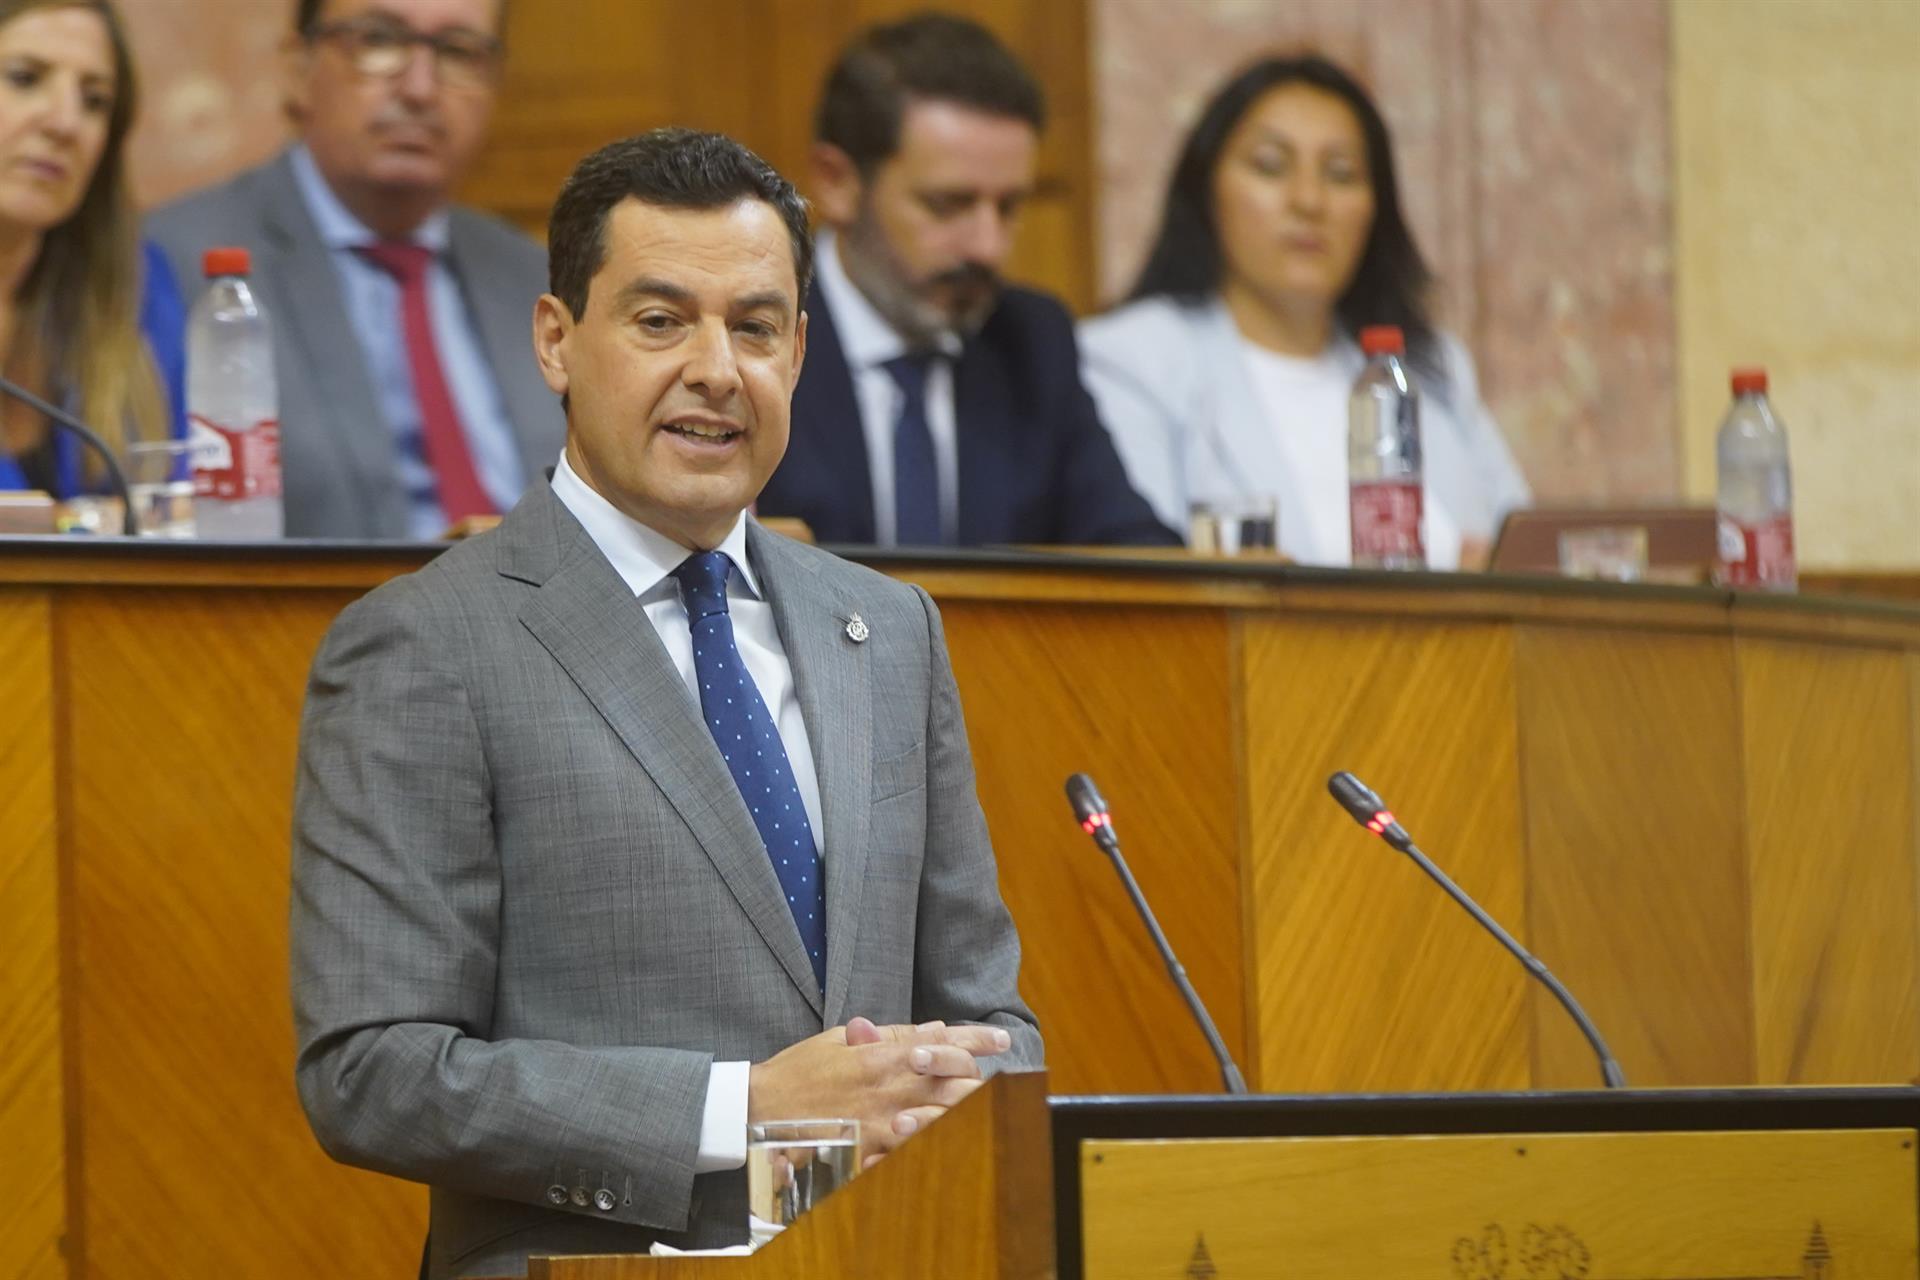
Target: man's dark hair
{"x":1187,"y":262}
{"x":931,"y":56}
{"x":306,"y":16}
{"x":671,"y":168}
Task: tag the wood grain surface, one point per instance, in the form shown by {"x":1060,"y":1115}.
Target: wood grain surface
{"x":1652,"y":1206}
{"x":195,"y":1158}
{"x":1829,"y":813}
{"x":33,"y":1117}
{"x":1596,"y":767}
{"x":1140,"y":700}
{"x":1637,"y":887}
{"x":1367,"y":976}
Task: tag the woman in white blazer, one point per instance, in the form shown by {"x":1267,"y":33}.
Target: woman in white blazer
{"x":1224,"y":377}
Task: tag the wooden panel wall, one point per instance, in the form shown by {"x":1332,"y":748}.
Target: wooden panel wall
{"x":1582,"y":778}
{"x":195,"y":1159}
{"x":1140,"y":700}
{"x":1368,"y":976}
{"x":753,"y":69}
{"x":33,"y":1143}
{"x":1836,"y":938}
{"x":1630,"y":761}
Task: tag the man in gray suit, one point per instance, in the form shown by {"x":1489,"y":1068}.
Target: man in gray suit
{"x":408,"y":398}
{"x":630,"y":823}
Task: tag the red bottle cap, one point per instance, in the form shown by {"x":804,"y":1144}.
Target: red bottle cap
{"x":1750,"y":381}
{"x":226,"y":261}
{"x":1383,"y":339}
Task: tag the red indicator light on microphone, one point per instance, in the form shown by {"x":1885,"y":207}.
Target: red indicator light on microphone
{"x":1093,"y":822}
{"x":1379,"y":822}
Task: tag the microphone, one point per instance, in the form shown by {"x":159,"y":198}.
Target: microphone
{"x":1091,"y":810}
{"x":1366,"y":808}
{"x":129,"y":522}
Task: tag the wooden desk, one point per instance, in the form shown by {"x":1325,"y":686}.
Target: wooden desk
{"x":1699,"y":809}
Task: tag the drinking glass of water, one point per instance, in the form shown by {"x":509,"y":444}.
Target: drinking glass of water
{"x":160,"y":478}
{"x":1235,"y":526}
{"x":792,"y":1165}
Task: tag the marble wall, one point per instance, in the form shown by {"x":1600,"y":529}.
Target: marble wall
{"x":1531,"y":139}
{"x":210,"y":94}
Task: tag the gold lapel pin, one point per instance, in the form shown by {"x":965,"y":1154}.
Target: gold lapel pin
{"x":857,"y":629}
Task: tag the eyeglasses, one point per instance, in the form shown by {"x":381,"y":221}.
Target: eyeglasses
{"x":461,"y":59}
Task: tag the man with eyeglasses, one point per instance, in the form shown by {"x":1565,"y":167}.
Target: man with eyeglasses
{"x":408,"y":398}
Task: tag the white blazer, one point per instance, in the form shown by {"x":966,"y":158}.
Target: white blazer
{"x":1173,"y":387}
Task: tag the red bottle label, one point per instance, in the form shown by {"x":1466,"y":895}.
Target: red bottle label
{"x":1756,"y":555}
{"x":1385,"y":517}
{"x":229,"y":465}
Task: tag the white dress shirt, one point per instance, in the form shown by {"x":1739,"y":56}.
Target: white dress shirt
{"x":868,"y":342}
{"x":645,"y":560}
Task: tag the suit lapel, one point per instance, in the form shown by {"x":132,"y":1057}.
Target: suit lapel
{"x":830,"y":676}
{"x":826,"y":409}
{"x":587,"y":618}
{"x":347,"y":420}
{"x":504,"y":325}
{"x":990,"y":459}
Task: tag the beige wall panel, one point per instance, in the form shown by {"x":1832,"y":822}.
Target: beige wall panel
{"x":1797,"y":181}
{"x":1630,"y":752}
{"x":33,"y":1168}
{"x":195,"y":1157}
{"x":1368,"y":976}
{"x":1836,"y":943}
{"x":1140,"y":700}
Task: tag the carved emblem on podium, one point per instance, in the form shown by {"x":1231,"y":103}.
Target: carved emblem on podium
{"x":1200,"y":1265}
{"x":1555,"y":1253}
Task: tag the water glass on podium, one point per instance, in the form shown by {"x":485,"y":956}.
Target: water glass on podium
{"x":1234,"y":526}
{"x":794,"y":1164}
{"x":160,"y":480}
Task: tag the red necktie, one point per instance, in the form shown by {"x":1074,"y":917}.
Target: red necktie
{"x":461,"y":494}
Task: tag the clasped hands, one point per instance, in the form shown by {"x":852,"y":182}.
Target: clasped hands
{"x":895,"y":1080}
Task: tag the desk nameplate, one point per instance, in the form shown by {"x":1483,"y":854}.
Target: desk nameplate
{"x":1789,"y":1205}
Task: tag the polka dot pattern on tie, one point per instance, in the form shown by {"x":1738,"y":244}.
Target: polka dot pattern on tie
{"x":749,"y":742}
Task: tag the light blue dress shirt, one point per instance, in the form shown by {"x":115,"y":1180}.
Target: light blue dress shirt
{"x":372,"y":300}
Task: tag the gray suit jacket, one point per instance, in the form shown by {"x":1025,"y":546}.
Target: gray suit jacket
{"x":337,"y":450}
{"x":530,"y":907}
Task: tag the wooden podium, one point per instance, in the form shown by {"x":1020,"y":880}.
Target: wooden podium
{"x":1653,"y":1185}
{"x":973,"y":1196}
{"x":1698,"y":808}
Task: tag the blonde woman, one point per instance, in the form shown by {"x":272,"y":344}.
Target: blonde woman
{"x":89,"y":318}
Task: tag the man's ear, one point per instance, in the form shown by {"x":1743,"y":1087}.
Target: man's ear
{"x":296,"y":68}
{"x":552,"y":326}
{"x":837,"y":185}
{"x":799,"y":351}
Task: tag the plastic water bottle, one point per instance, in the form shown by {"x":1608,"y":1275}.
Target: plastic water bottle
{"x":1384,"y":496}
{"x":233,"y":407}
{"x":1755,"y":491}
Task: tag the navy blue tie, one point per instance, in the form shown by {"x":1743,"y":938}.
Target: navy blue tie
{"x":916,"y":479}
{"x":750,"y":743}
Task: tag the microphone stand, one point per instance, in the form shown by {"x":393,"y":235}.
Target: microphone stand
{"x":129,"y":521}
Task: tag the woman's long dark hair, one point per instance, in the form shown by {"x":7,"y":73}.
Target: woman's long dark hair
{"x":1390,"y":285}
